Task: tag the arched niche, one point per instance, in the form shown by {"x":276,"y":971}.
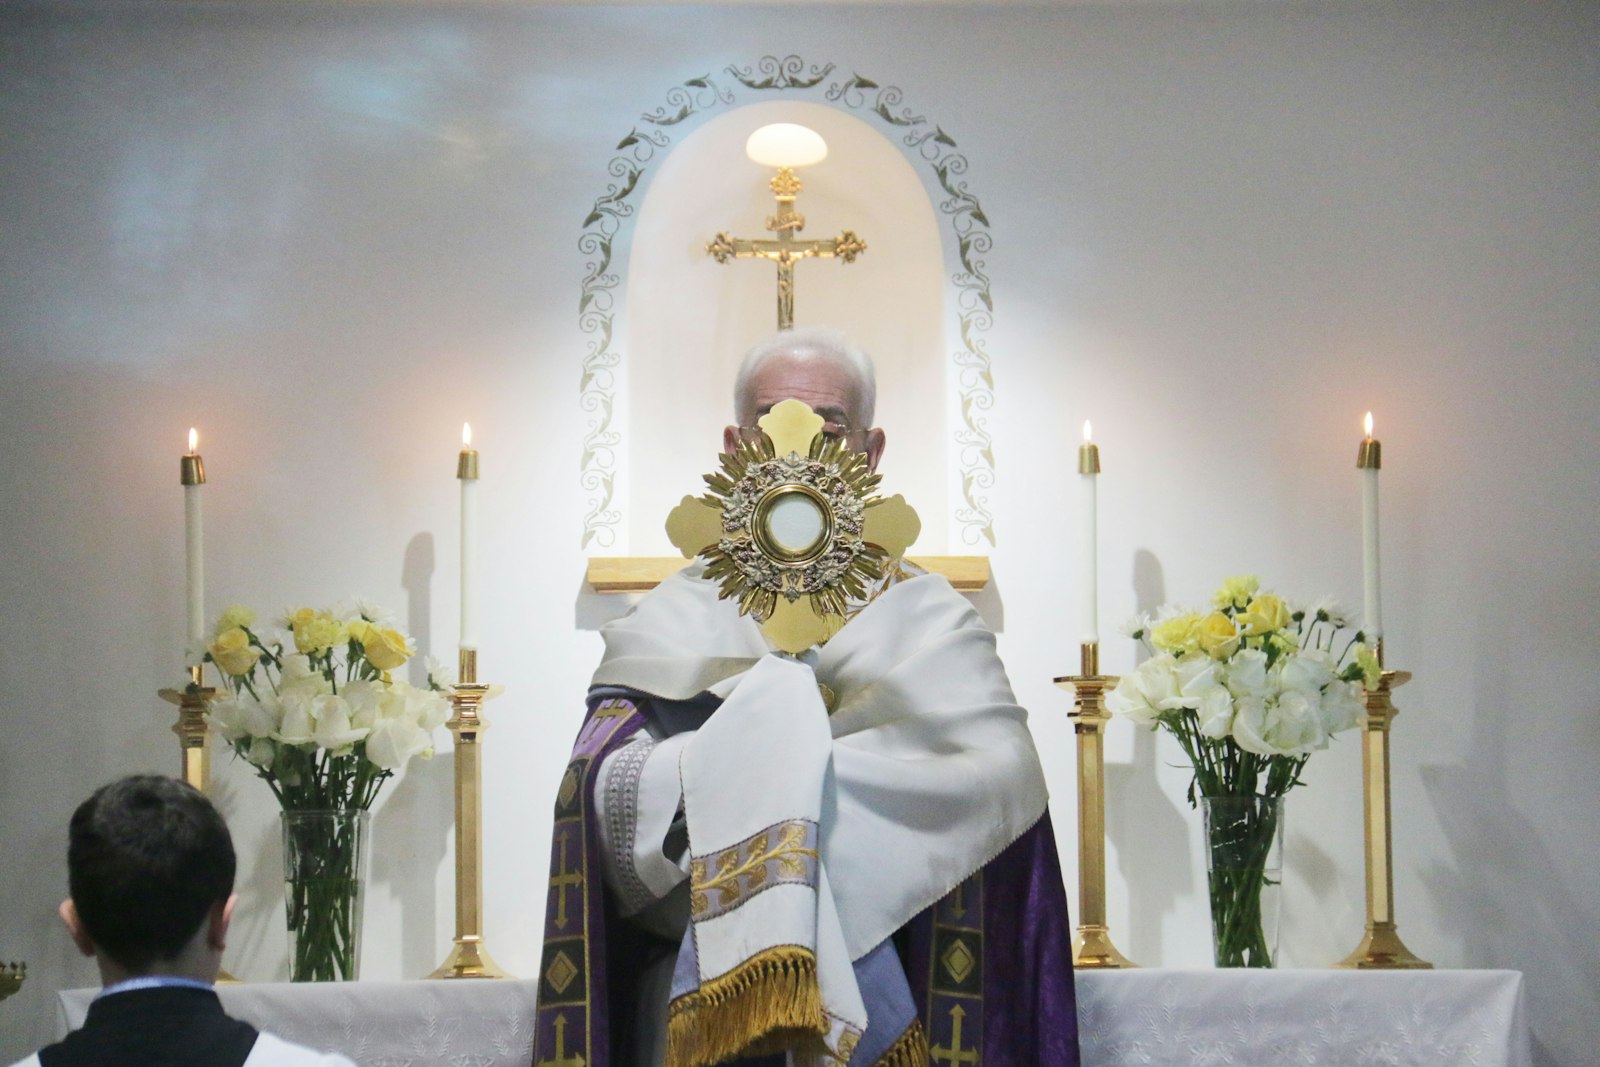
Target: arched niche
{"x":688,"y":320}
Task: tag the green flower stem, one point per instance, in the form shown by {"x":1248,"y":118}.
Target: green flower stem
{"x":323,"y":891}
{"x":1241,"y":835}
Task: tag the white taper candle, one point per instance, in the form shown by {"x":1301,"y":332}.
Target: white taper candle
{"x":1089,"y":526}
{"x":192,"y":474}
{"x":467,"y":472}
{"x":1370,"y":460}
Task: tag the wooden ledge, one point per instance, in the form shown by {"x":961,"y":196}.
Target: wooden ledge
{"x":640,"y":574}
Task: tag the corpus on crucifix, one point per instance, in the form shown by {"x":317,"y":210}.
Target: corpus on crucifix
{"x":785,"y":145}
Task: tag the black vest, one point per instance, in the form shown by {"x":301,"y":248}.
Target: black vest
{"x":174,"y":1026}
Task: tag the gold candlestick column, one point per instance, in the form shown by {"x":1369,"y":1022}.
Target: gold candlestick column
{"x":194,"y":749}
{"x":469,"y":958}
{"x":1091,"y":942}
{"x":1381,"y":947}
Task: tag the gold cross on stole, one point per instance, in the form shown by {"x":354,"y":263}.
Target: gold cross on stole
{"x":561,"y":882}
{"x":561,"y":1058}
{"x":784,"y":250}
{"x":952,"y":1055}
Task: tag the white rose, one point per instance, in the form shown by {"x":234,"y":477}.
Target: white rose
{"x":1342,"y":706}
{"x":298,"y":726}
{"x":1247,"y":674}
{"x":1143,"y":695}
{"x":1294,"y":724}
{"x":298,"y":677}
{"x":431,"y":710}
{"x":394,"y":740}
{"x":1195,"y":676}
{"x":261,"y":752}
{"x":334,"y":731}
{"x":1307,"y":673}
{"x":1288,"y":726}
{"x":365,"y":699}
{"x":228,"y":718}
{"x":1215,"y":712}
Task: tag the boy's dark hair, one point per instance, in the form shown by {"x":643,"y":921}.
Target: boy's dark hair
{"x":147,"y":859}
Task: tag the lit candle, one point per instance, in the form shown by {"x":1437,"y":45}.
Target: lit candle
{"x":1369,"y":459}
{"x":1088,"y":577}
{"x":192,"y":475}
{"x":467,"y":472}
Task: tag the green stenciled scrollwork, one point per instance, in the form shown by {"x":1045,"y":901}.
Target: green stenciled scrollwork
{"x":651,"y":135}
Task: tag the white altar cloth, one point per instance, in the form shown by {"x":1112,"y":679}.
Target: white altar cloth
{"x":469,"y":1022}
{"x":1152,"y":1018}
{"x":1251,"y":1018}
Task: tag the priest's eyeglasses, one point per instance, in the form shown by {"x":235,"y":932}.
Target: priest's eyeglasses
{"x":855,"y":440}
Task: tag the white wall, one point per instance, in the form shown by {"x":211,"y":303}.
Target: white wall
{"x":327,"y":236}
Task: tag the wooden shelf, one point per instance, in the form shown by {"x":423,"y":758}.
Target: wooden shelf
{"x":639,"y":574}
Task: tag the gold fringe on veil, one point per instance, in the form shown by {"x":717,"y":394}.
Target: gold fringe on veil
{"x":770,"y":1001}
{"x":910,"y":1049}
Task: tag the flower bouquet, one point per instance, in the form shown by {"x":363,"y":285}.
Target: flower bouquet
{"x":314,"y":708}
{"x":1249,"y":689}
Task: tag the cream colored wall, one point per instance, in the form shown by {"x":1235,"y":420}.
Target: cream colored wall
{"x":328,"y":236}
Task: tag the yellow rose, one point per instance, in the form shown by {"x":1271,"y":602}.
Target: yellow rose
{"x":1265,"y":614}
{"x":1236,"y":592}
{"x":1217,"y":635}
{"x":232,"y":652}
{"x":315,"y":631}
{"x":1180,"y":633}
{"x":386,"y":648}
{"x":235,"y":617}
{"x":357,"y":628}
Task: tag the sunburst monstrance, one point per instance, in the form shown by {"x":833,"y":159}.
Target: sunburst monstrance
{"x":789,"y":529}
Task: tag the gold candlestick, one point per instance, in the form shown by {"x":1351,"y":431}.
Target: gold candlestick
{"x":1091,"y":942}
{"x":1381,"y":947}
{"x":11,"y":978}
{"x":469,"y":958}
{"x":194,"y":748}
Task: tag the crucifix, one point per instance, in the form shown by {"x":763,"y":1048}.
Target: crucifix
{"x":786,"y":152}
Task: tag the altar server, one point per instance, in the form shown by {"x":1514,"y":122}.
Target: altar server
{"x":150,"y":867}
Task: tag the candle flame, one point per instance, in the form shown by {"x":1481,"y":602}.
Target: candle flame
{"x":1087,"y":431}
{"x":1369,"y":425}
{"x":466,"y":435}
{"x":194,"y":439}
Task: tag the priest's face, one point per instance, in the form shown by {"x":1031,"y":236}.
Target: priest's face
{"x":824,"y":387}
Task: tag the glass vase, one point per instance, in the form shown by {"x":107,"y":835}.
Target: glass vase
{"x":325,"y":877}
{"x":1244,"y":869}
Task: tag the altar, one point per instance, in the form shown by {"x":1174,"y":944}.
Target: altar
{"x":1184,"y":1018}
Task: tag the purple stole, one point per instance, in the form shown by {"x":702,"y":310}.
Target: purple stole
{"x":989,"y":965}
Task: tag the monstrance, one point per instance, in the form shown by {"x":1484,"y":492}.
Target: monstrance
{"x":789,"y":529}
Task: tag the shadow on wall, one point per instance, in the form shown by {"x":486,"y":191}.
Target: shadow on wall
{"x":1137,"y":813}
{"x":1512,"y":911}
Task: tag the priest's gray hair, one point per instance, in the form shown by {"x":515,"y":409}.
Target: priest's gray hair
{"x":807,"y":344}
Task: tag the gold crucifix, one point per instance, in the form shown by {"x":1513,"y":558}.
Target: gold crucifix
{"x":783,"y":249}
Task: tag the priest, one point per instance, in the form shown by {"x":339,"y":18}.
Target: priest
{"x":840,"y":856}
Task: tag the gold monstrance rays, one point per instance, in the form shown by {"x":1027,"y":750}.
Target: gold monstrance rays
{"x":786,"y":146}
{"x":789,"y":531}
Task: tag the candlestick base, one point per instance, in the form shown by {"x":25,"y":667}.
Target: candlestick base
{"x":1092,"y":950}
{"x":1382,"y":949}
{"x":469,"y":959}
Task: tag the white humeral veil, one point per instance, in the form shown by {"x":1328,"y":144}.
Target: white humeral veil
{"x":923,"y":772}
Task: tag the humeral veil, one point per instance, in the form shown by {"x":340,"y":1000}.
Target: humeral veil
{"x":837,"y":857}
